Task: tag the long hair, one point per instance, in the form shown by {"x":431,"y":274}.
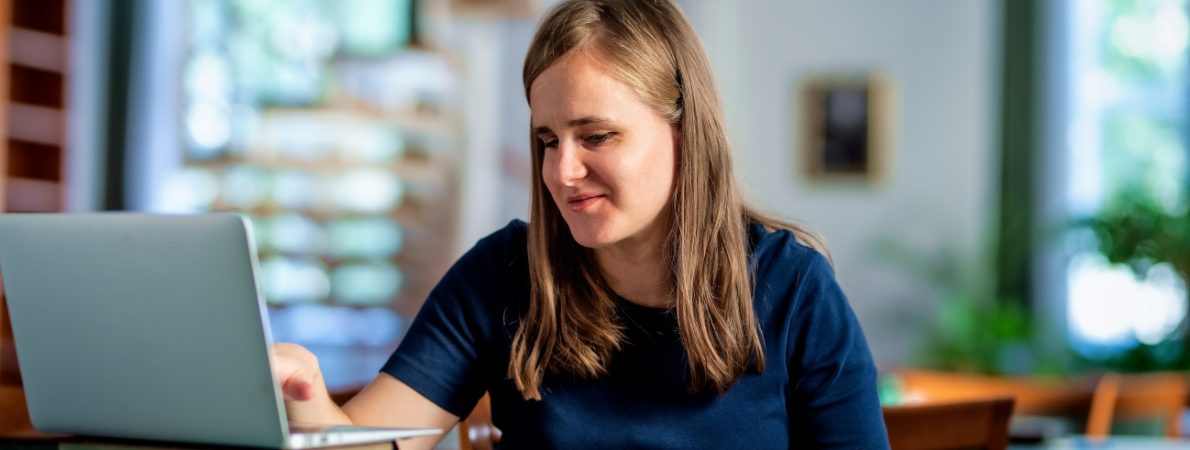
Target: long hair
{"x":570,"y":326}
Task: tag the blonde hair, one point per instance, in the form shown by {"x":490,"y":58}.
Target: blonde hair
{"x":571,"y":326}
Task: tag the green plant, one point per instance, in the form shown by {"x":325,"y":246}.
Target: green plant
{"x":980,"y":335}
{"x":1135,"y":230}
{"x":969,"y":328}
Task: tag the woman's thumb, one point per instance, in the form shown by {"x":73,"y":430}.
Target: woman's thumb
{"x":296,"y":388}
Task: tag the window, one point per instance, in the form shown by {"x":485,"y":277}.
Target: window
{"x":333,"y":130}
{"x":1126,"y":132}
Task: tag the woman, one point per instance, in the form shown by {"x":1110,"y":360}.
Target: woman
{"x":643,"y":305}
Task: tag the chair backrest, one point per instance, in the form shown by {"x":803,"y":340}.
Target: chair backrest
{"x":979,"y":424}
{"x":1160,"y":395}
{"x":477,"y":432}
{"x":1033,"y":396}
{"x":14,"y":415}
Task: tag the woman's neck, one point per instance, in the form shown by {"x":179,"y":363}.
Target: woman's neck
{"x":638,"y":272}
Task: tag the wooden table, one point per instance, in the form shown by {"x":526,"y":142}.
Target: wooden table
{"x":38,"y":441}
{"x":1110,"y":443}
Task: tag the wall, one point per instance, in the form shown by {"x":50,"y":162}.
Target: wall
{"x":496,"y":167}
{"x":942,"y":57}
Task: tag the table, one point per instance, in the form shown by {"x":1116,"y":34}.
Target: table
{"x":1111,"y":443}
{"x":36,"y":441}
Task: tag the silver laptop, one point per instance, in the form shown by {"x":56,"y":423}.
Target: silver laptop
{"x":149,"y":327}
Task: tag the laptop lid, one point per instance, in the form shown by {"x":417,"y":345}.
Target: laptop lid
{"x":141,"y":326}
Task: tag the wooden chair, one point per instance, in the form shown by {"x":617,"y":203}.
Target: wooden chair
{"x":1160,"y":395}
{"x":477,"y":432}
{"x":14,"y":415}
{"x":1033,"y":396}
{"x":965,"y":424}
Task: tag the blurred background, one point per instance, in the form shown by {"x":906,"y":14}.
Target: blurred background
{"x":1002,"y":184}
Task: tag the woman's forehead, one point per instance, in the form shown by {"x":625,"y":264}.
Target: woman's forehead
{"x":576,"y":90}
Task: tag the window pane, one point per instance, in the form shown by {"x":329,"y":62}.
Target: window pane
{"x":1128,"y":136}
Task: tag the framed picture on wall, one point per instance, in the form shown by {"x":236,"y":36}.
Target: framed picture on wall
{"x":843,"y":129}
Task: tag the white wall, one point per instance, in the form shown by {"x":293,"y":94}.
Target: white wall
{"x":496,"y":166}
{"x":942,"y":58}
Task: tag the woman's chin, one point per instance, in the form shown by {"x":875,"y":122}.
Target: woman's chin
{"x":592,"y":239}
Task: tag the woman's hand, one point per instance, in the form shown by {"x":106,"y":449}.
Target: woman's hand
{"x":296,"y":370}
{"x":386,"y":402}
{"x":307,"y":401}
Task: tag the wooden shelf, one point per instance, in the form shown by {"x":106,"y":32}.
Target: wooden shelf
{"x":37,"y":49}
{"x":34,"y":65}
{"x":30,"y":195}
{"x":37,"y":124}
{"x":407,"y":121}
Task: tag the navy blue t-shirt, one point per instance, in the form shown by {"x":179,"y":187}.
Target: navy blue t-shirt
{"x":818,"y":389}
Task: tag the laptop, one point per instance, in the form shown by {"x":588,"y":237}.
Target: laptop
{"x":149,"y":327}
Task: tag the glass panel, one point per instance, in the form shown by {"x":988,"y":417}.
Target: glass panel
{"x":303,"y":115}
{"x":1127,"y":141}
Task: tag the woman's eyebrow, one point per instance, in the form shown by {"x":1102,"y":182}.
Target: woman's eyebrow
{"x":581,"y":121}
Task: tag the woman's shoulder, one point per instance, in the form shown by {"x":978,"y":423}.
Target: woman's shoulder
{"x":505,"y":248}
{"x":779,"y":253}
{"x":510,"y":238}
{"x":793,"y":280}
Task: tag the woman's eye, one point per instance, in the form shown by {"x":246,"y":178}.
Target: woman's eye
{"x":598,"y":139}
{"x":551,"y":143}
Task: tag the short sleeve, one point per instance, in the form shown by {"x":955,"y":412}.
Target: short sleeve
{"x":832,"y":375}
{"x":455,"y":342}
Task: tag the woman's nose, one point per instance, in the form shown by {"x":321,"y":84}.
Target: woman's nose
{"x":570,"y":165}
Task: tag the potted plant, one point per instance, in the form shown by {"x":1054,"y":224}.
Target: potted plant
{"x":1135,"y":230}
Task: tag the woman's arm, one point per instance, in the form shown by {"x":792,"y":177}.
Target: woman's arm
{"x":389,"y":402}
{"x":832,"y":373}
{"x":386,"y":402}
{"x":446,"y":360}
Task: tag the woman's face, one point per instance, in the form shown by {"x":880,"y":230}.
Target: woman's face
{"x":609,"y":158}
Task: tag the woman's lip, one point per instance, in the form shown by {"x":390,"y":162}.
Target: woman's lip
{"x":583,"y":203}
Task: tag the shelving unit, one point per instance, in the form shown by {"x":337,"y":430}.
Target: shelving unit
{"x":360,"y":125}
{"x":34,"y":106}
{"x":33,"y":73}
